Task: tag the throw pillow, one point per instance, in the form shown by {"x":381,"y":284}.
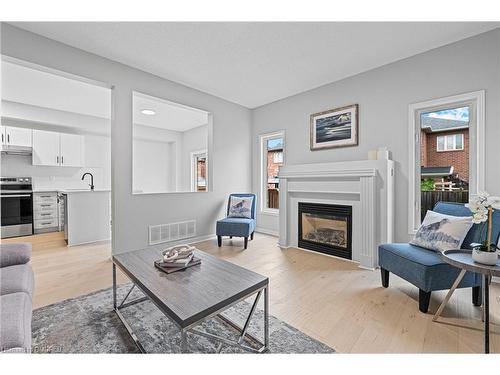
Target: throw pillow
{"x":240,"y":207}
{"x":442,"y":232}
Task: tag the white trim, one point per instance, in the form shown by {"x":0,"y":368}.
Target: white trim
{"x":478,"y":117}
{"x":267,"y":231}
{"x":263,"y":170}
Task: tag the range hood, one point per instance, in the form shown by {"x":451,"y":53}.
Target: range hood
{"x":16,"y":150}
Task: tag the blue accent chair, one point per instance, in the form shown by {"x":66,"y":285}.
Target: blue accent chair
{"x":237,"y":226}
{"x":425,"y":268}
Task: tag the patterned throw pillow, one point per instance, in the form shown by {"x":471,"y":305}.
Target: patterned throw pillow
{"x":442,"y":232}
{"x":240,"y":207}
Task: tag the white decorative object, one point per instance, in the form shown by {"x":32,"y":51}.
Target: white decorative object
{"x":383,"y":153}
{"x":489,"y":258}
{"x":366,"y":185}
{"x":442,"y":232}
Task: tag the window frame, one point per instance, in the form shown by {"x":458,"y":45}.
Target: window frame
{"x":263,"y":139}
{"x":476,"y":101}
{"x":446,"y":136}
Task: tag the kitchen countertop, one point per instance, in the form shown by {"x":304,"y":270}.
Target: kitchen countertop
{"x":67,"y":191}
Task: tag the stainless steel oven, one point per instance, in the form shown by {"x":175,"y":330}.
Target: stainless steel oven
{"x":17,"y":206}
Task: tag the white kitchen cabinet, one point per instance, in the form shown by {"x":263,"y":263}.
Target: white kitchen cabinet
{"x":2,"y":132}
{"x":45,"y":148}
{"x":12,"y":136}
{"x":71,"y":150}
{"x":57,"y":149}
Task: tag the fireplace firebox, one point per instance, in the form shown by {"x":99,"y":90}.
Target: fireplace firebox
{"x":326,"y":228}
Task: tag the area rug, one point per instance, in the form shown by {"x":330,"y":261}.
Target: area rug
{"x":88,"y":324}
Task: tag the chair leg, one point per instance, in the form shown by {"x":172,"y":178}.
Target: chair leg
{"x":423,"y":300}
{"x":477,"y":296}
{"x":219,"y":241}
{"x":251,"y":236}
{"x":385,"y":277}
{"x":231,"y":237}
{"x":246,"y":242}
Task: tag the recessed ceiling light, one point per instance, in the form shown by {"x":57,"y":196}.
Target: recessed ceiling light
{"x":148,"y":112}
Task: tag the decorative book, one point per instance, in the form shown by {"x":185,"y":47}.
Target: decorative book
{"x":170,"y":267}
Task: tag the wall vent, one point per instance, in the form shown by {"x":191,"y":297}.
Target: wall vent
{"x":171,"y":232}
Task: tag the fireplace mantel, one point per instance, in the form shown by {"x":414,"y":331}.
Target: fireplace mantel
{"x":366,"y":185}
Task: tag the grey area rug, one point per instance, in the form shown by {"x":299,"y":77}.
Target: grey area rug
{"x":88,"y":324}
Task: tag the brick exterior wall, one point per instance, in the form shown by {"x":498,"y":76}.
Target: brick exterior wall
{"x":430,"y":157}
{"x":272,"y":167}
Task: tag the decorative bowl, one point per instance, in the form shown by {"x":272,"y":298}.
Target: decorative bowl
{"x":489,"y":258}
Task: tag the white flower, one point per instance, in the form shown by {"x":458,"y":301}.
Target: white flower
{"x":480,"y":217}
{"x":494,"y":202}
{"x":482,"y":201}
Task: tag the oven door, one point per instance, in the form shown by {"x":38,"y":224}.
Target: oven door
{"x":17,"y":214}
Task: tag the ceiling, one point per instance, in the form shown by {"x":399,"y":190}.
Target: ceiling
{"x":170,"y":116}
{"x":253,"y":64}
{"x":35,"y":87}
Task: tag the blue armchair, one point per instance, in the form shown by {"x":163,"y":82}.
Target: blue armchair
{"x":425,"y":268}
{"x":237,"y":226}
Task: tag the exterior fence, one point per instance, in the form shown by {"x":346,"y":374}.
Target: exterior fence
{"x":273,"y":198}
{"x":430,"y":198}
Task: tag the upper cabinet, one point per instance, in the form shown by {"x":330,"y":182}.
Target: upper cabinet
{"x":71,"y":150}
{"x":57,"y":149}
{"x":12,"y":136}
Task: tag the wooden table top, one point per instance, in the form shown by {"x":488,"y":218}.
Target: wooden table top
{"x":463,"y":259}
{"x":195,"y":293}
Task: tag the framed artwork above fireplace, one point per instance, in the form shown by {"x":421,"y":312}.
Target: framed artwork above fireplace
{"x":334,"y":128}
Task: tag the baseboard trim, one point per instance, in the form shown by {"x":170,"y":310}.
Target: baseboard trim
{"x":267,"y":231}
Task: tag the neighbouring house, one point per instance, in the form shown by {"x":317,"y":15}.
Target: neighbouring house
{"x":444,"y":150}
{"x":274,"y":162}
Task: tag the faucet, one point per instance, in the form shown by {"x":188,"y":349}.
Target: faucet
{"x":91,"y":179}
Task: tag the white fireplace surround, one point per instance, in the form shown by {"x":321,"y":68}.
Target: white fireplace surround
{"x":366,"y":185}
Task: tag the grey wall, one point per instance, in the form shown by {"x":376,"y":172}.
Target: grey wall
{"x":383,"y":95}
{"x":133,"y":213}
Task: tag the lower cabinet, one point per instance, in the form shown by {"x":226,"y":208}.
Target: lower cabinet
{"x":45,"y":212}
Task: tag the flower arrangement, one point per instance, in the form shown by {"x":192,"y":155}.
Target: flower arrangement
{"x":482,"y":206}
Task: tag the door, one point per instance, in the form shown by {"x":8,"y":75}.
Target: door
{"x":45,"y":148}
{"x":18,"y":136}
{"x":71,"y":150}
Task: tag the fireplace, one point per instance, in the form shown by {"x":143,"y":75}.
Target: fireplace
{"x":326,"y":228}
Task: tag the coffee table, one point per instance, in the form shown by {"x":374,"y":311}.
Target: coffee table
{"x":463,"y":259}
{"x":193,"y":295}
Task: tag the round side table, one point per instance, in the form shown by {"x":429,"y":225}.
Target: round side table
{"x":463,"y":259}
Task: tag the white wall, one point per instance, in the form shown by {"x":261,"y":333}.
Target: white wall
{"x":383,"y":95}
{"x":152,"y":173}
{"x":134,"y":213}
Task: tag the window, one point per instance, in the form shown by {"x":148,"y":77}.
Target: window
{"x":199,"y":171}
{"x":437,"y":126}
{"x":272,"y":146}
{"x":451,"y":142}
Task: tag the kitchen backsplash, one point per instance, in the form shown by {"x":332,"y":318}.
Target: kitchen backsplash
{"x":52,"y":178}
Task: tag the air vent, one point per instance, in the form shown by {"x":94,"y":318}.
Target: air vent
{"x":171,"y":232}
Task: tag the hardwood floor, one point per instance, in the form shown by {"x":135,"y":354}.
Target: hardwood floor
{"x":330,"y":299}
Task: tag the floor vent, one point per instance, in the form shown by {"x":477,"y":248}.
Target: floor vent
{"x":171,"y":232}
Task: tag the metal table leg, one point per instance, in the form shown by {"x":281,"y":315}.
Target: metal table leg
{"x":114,"y":286}
{"x":486,"y":280}
{"x":448,"y":296}
{"x":266,"y":318}
{"x":183,"y":341}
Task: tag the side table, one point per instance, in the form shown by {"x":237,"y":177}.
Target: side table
{"x":463,"y":259}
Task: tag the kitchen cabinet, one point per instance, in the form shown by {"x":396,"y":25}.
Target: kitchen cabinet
{"x":12,"y":136}
{"x":71,"y":150}
{"x":45,"y":148}
{"x":57,"y":149}
{"x":45,"y":212}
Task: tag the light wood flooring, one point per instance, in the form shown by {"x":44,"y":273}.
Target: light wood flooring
{"x":329,"y":299}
